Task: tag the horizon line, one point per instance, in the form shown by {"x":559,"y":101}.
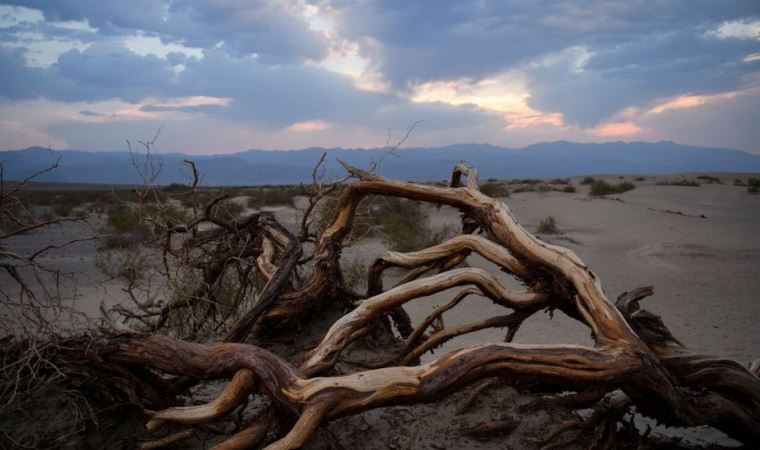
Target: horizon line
{"x":388,"y":147}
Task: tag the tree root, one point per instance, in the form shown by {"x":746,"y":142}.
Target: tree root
{"x":575,"y":400}
{"x":315,"y":400}
{"x":635,"y":359}
{"x":235,"y":393}
{"x":353,"y":324}
{"x":446,"y":334}
{"x":250,"y":436}
{"x":491,"y":428}
{"x":603,"y":420}
{"x":168,"y":440}
{"x":417,"y":334}
{"x":474,"y":393}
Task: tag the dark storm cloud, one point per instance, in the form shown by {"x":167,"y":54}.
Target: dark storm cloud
{"x":17,"y":33}
{"x":286,"y":94}
{"x":17,"y":81}
{"x":88,"y":113}
{"x":425,"y":40}
{"x":103,"y":71}
{"x":652,"y":66}
{"x":641,"y":49}
{"x":272,"y":30}
{"x":276,"y":95}
{"x":585,"y":59}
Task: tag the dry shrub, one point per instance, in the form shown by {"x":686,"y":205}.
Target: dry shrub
{"x":493,"y":189}
{"x":681,"y":182}
{"x":753,"y":185}
{"x":404,"y":225}
{"x":548,"y":225}
{"x":600,"y":188}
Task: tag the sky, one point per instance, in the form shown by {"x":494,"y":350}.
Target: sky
{"x":221,"y":76}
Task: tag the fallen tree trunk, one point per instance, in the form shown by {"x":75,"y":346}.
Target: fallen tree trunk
{"x":634,"y":361}
{"x":315,"y":400}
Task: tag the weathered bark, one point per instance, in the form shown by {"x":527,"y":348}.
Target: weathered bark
{"x":462,"y":244}
{"x":479,"y":389}
{"x":490,"y":428}
{"x":234,"y":393}
{"x":635,"y":359}
{"x":315,"y":400}
{"x":251,"y":435}
{"x":446,"y":334}
{"x":284,"y":265}
{"x":418,"y":332}
{"x":167,"y":441}
{"x":258,"y":239}
{"x":732,"y":388}
{"x":355,"y":323}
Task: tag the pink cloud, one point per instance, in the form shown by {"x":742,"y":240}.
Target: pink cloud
{"x":309,"y":126}
{"x":615,"y":129}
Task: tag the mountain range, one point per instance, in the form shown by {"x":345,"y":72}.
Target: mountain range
{"x":257,"y":167}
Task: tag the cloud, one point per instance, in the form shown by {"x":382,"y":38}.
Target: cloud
{"x":242,"y":90}
{"x":88,"y":113}
{"x":725,"y":121}
{"x":509,"y":72}
{"x":738,"y":29}
{"x":104,"y":70}
{"x":17,"y":134}
{"x":616,"y":129}
{"x":275,"y":31}
{"x":634,"y":51}
{"x":434,"y":40}
{"x":639,"y":71}
{"x":309,"y":126}
{"x":505,"y":95}
{"x":688,"y":101}
{"x":274,"y":94}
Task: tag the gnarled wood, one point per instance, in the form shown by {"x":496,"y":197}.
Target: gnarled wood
{"x":492,"y":427}
{"x":234,"y":393}
{"x":167,"y":441}
{"x":732,"y":389}
{"x":446,"y":334}
{"x":285,"y":263}
{"x":352,"y":324}
{"x":462,"y":244}
{"x":552,"y":272}
{"x":635,"y":359}
{"x":317,"y":399}
{"x":415,"y":336}
{"x":252,"y":435}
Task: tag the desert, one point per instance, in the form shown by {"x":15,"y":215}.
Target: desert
{"x":691,"y":236}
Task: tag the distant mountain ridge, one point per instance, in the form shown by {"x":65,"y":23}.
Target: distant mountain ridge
{"x":257,"y":167}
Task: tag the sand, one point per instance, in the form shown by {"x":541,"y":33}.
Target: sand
{"x":699,"y":247}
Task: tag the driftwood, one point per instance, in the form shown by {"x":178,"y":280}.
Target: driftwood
{"x":634,"y":360}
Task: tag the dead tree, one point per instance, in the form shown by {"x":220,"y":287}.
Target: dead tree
{"x":198,"y":252}
{"x":32,"y":302}
{"x":634,"y":360}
